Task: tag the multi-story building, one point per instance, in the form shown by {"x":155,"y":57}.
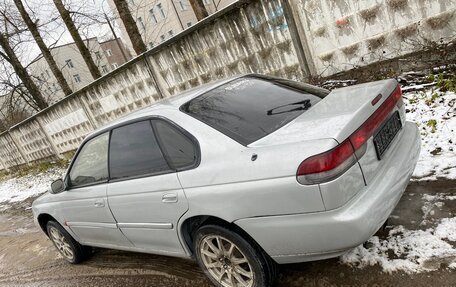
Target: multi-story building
{"x":107,"y":57}
{"x":159,"y":20}
{"x":116,"y":53}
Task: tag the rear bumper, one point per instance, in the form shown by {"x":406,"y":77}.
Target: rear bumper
{"x":313,"y":236}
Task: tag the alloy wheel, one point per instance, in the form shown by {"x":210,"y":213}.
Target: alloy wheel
{"x":225,"y":262}
{"x":61,"y":243}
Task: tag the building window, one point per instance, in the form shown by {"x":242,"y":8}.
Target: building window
{"x":104,"y":69}
{"x":109,"y":52}
{"x":171,"y":33}
{"x":98,"y":55}
{"x":115,"y":66}
{"x":162,"y":37}
{"x":47,"y":73}
{"x":189,"y":24}
{"x":153,"y":18}
{"x":141,"y":23}
{"x":69,"y":63}
{"x":182,"y":5}
{"x":160,"y":8}
{"x":76,"y":78}
{"x":151,"y":45}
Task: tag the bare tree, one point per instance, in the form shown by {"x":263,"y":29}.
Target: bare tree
{"x":199,"y":9}
{"x":130,"y":25}
{"x":9,"y":55}
{"x":12,"y":108}
{"x":85,"y":53}
{"x":33,"y":27}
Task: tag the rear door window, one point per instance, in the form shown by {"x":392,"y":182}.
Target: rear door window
{"x":134,"y":151}
{"x":249,"y":108}
{"x":179,"y":150}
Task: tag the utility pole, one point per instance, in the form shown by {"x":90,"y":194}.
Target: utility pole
{"x":119,"y":44}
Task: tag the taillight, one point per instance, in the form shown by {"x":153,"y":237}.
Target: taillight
{"x":361,"y":135}
{"x":328,"y":165}
{"x":333,"y":163}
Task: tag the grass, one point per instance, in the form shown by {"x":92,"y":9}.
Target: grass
{"x":35,"y":168}
{"x":41,"y":167}
{"x":446,"y":83}
{"x":3,"y":175}
{"x":433,"y":98}
{"x":433,"y":125}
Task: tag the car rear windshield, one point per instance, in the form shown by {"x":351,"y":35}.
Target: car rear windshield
{"x":248,"y":109}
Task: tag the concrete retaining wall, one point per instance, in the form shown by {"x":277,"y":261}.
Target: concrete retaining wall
{"x":344,"y":34}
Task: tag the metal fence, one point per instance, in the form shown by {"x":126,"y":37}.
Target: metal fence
{"x":293,"y":39}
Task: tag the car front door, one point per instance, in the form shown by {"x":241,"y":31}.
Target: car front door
{"x":84,"y":204}
{"x":144,"y":193}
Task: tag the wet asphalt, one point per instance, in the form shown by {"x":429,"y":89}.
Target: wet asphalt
{"x":28,"y":258}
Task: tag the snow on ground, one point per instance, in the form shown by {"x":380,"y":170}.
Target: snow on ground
{"x":408,"y":250}
{"x":412,"y":250}
{"x":19,"y":189}
{"x":432,"y":201}
{"x":435,"y":114}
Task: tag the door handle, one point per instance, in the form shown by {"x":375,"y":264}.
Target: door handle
{"x":99,"y":203}
{"x":169,"y":198}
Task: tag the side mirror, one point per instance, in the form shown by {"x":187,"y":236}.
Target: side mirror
{"x":57,"y":186}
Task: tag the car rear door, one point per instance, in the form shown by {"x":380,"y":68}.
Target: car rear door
{"x":144,"y":193}
{"x":84,"y":205}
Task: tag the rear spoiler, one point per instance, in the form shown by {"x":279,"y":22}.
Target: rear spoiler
{"x":314,"y":90}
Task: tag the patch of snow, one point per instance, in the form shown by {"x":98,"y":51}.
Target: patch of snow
{"x":22,"y":188}
{"x":439,"y":197}
{"x":435,"y":114}
{"x":447,"y":229}
{"x":431,"y":201}
{"x":411,"y":248}
{"x":417,"y":87}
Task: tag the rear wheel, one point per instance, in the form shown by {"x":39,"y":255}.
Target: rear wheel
{"x":69,"y":248}
{"x":229,"y":260}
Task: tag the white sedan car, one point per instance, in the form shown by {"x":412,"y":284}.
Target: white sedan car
{"x":241,"y":175}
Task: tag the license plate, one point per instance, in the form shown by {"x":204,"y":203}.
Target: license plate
{"x":386,"y":134}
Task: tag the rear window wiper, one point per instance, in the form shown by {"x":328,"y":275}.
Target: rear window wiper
{"x":304,"y":105}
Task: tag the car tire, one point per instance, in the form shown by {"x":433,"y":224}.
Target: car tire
{"x":237,"y":263}
{"x":69,"y":248}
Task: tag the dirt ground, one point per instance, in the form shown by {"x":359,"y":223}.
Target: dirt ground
{"x":27,"y":257}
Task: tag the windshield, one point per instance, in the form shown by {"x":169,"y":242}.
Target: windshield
{"x":248,"y":109}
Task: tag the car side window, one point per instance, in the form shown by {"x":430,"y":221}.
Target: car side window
{"x":91,"y":164}
{"x":179,"y":150}
{"x":134,"y":151}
